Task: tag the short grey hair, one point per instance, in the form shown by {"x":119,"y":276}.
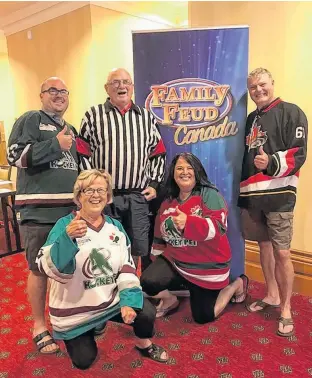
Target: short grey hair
{"x":87,"y":177}
{"x":260,"y":71}
{"x":117,"y":70}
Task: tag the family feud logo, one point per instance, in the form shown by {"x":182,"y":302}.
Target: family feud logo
{"x":196,"y":108}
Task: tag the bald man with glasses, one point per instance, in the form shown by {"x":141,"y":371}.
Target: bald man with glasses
{"x":42,"y":146}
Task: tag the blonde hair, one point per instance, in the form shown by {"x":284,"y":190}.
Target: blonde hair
{"x":260,"y":71}
{"x":86,"y":178}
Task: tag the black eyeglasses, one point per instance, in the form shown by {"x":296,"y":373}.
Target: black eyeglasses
{"x":90,"y":191}
{"x":54,"y":91}
{"x":117,"y":83}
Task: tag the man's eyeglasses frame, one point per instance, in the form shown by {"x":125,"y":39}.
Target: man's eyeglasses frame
{"x":54,"y":91}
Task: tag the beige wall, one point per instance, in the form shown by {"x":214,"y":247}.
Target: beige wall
{"x":59,"y":47}
{"x":7,"y":103}
{"x":80,"y":47}
{"x":112,"y":45}
{"x":280,"y":40}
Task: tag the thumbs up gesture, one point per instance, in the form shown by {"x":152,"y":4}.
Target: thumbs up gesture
{"x":261,"y":160}
{"x":65,"y":139}
{"x":77,"y":228}
{"x":78,"y":216}
{"x":179,"y":220}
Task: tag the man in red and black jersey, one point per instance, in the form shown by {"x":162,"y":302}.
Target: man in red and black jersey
{"x":275,"y":150}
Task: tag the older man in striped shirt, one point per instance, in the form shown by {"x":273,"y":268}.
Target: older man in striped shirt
{"x":123,"y":138}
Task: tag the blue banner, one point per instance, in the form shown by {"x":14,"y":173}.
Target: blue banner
{"x":194,"y":83}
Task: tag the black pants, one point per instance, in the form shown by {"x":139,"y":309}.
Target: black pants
{"x":132,"y":210}
{"x":83,"y":350}
{"x":161,"y":275}
{"x":137,"y":216}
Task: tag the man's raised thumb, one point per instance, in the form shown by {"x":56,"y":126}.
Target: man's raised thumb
{"x":261,"y":152}
{"x":77,"y":217}
{"x":64,"y":130}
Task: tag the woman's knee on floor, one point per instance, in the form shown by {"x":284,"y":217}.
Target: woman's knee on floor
{"x":203,"y":317}
{"x":82,"y":350}
{"x":83,"y":362}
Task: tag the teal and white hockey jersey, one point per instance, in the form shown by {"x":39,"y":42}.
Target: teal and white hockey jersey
{"x":91,"y":277}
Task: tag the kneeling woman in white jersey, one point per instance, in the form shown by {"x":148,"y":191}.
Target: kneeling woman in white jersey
{"x":93,"y":277}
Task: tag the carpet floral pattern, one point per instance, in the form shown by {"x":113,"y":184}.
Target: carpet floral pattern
{"x":239,"y":344}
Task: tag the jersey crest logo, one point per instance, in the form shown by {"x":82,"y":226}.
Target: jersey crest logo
{"x":173,"y":236}
{"x":47,"y":127}
{"x":114,"y":238}
{"x":169,"y":230}
{"x":197,"y":211}
{"x":256,"y":137}
{"x":83,"y":240}
{"x":67,"y":161}
{"x":97,"y":263}
{"x":170,"y":210}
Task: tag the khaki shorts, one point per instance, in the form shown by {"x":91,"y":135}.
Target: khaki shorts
{"x":276,"y":227}
{"x":34,"y":237}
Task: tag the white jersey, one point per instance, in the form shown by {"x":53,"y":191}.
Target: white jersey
{"x":91,"y":277}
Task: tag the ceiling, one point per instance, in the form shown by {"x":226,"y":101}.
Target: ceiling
{"x":20,"y":15}
{"x":8,"y":7}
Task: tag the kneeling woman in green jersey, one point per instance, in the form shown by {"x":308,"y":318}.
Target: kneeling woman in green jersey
{"x":93,"y":277}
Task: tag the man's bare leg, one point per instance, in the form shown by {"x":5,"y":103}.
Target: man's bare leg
{"x":268,"y":267}
{"x":37,"y":290}
{"x":284,"y":273}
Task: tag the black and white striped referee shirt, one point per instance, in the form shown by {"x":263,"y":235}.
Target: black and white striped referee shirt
{"x":127,"y":145}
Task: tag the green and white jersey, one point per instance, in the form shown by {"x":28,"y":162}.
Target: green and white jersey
{"x":46,"y":174}
{"x":91,"y":277}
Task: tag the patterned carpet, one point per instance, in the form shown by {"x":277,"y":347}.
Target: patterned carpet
{"x":237,"y":345}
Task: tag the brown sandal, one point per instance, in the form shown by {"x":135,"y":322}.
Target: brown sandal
{"x":286,"y":322}
{"x":154,"y":352}
{"x":263,"y":305}
{"x":240,"y":298}
{"x":43,"y":344}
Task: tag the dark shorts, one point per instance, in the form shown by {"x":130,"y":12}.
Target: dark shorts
{"x":276,"y":227}
{"x":34,"y":236}
{"x":132,"y":211}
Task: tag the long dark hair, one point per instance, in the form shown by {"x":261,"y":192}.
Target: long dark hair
{"x":171,"y":188}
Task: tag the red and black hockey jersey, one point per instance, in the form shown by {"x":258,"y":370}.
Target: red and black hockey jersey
{"x":201,"y":254}
{"x":282,"y":129}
